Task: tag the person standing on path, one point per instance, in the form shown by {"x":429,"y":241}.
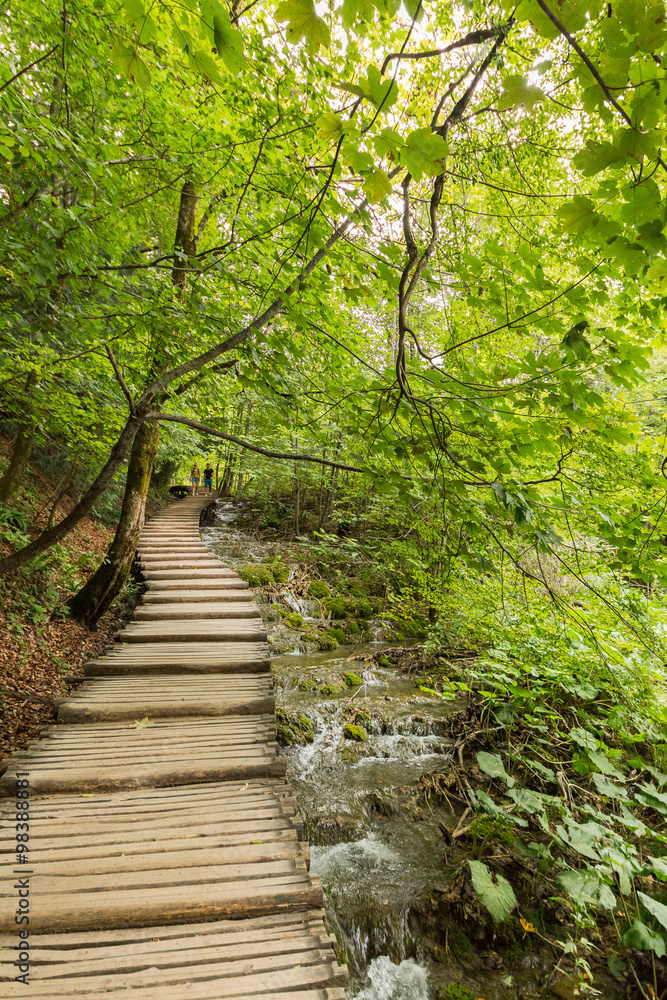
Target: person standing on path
{"x":208,"y":478}
{"x":195,"y":479}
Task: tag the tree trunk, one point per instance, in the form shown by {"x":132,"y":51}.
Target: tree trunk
{"x":48,"y":538}
{"x":15,"y":471}
{"x":162,"y":476}
{"x":95,"y":597}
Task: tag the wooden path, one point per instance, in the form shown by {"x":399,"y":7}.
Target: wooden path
{"x":166,"y":859}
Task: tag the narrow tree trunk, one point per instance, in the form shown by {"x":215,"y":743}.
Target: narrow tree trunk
{"x":48,"y":538}
{"x":95,"y":597}
{"x":15,"y":471}
{"x":162,"y":476}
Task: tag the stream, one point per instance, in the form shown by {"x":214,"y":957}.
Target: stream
{"x":374,"y":843}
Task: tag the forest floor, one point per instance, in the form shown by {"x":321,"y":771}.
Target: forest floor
{"x":39,"y":645}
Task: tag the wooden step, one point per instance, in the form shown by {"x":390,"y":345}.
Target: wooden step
{"x":109,"y":864}
{"x":152,"y":597}
{"x":198,"y":582}
{"x":206,"y":572}
{"x":178,"y":957}
{"x":109,"y":699}
{"x":177,"y":752}
{"x":175,"y":657}
{"x":197,"y":610}
{"x":246,"y":630}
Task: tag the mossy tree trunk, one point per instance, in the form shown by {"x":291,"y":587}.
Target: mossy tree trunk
{"x":97,"y":595}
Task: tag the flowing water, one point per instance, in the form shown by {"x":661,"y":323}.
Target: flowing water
{"x":374,"y":843}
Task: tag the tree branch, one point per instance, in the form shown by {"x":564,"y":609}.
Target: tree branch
{"x":472,"y":38}
{"x":291,"y":456}
{"x":29,"y":67}
{"x":121,"y":381}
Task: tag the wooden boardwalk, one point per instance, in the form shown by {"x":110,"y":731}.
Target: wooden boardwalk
{"x":166,"y":859}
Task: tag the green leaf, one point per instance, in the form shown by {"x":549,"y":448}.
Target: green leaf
{"x":330,"y":126}
{"x":518,"y":93}
{"x":638,"y":935}
{"x":206,"y":65}
{"x":609,"y":788}
{"x":498,"y":897}
{"x":657,"y":272}
{"x":132,"y":65}
{"x":377,"y":186}
{"x":595,"y":157}
{"x":228,"y":42}
{"x":303,"y":24}
{"x":578,"y":215}
{"x":423,"y":153}
{"x":656,"y":909}
{"x":492,"y":765}
{"x":586,"y":886}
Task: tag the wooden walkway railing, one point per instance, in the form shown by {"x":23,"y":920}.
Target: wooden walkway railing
{"x":164,"y":859}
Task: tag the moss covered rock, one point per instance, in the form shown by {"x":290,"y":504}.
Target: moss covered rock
{"x":256,"y":576}
{"x":293,"y":619}
{"x":336,"y":633}
{"x":454,"y":991}
{"x":352,"y":679}
{"x":356,"y":733}
{"x":336,"y":606}
{"x":331,"y":687}
{"x":280,"y":571}
{"x":293,"y":728}
{"x":325,"y":641}
{"x":307,"y":684}
{"x":319,"y":590}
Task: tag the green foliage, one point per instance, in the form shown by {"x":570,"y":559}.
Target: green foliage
{"x":318,"y":589}
{"x":494,"y":892}
{"x":256,"y":576}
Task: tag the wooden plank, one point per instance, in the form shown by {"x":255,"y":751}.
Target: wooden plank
{"x":197,"y":583}
{"x":188,"y":631}
{"x":267,"y":985}
{"x":288,"y":923}
{"x":184,"y":610}
{"x":149,"y":775}
{"x":171,"y":903}
{"x":152,"y":597}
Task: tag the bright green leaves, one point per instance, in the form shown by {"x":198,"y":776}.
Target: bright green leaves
{"x":595,"y":157}
{"x":228,"y":41}
{"x":517,"y":93}
{"x":130,"y":63}
{"x":424,"y":153}
{"x":304,"y":24}
{"x":578,"y":215}
{"x":497,"y":896}
{"x":382,"y":93}
{"x":377,"y":186}
{"x":644,"y":20}
{"x":363,"y":11}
